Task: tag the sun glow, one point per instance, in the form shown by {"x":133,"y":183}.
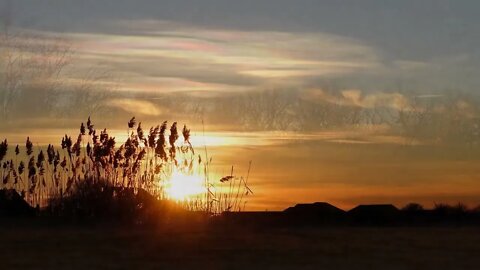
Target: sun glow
{"x":182,"y":187}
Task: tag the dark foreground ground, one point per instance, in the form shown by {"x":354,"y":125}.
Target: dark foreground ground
{"x":88,"y":247}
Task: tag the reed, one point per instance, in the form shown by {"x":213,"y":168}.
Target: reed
{"x":143,"y":163}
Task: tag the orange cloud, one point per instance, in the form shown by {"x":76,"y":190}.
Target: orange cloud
{"x":355,"y":97}
{"x":135,"y":106}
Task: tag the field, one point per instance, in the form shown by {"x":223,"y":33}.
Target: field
{"x":89,"y":247}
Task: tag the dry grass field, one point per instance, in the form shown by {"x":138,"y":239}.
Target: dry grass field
{"x":68,"y":247}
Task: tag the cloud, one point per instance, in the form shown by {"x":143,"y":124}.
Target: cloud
{"x":355,"y":97}
{"x":135,"y":106}
{"x":151,"y":53}
{"x":390,"y":100}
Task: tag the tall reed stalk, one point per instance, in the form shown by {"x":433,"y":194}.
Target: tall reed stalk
{"x":143,"y":162}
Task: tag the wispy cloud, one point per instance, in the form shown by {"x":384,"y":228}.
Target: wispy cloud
{"x":355,"y":97}
{"x":135,"y":106}
{"x":155,"y":53}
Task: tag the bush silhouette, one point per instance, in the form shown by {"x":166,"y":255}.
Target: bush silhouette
{"x":413,"y":207}
{"x":91,"y":199}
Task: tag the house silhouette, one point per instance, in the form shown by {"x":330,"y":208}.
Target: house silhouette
{"x":314,"y":214}
{"x":375,"y":214}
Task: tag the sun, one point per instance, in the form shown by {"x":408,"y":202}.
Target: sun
{"x":181,"y":187}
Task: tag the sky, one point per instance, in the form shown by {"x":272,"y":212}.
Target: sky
{"x":425,"y":46}
{"x":287,"y":78}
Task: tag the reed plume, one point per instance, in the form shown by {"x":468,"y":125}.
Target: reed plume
{"x":143,"y":163}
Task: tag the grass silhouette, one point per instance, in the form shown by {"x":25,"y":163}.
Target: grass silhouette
{"x":92,"y":176}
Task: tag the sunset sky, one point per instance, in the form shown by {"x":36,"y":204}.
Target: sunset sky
{"x":370,"y":102}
